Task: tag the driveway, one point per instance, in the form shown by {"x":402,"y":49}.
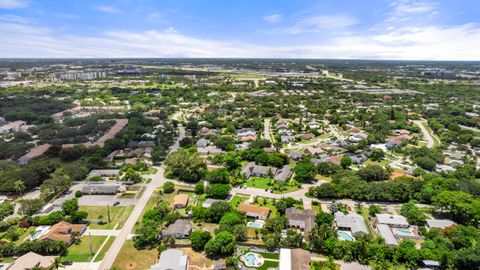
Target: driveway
{"x":426,"y":135}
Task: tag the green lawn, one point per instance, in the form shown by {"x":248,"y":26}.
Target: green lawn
{"x":81,"y":252}
{"x":267,"y":202}
{"x":237,"y":200}
{"x":273,"y":256}
{"x":118,"y":214}
{"x":259,"y":182}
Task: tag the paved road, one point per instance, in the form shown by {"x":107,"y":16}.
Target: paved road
{"x":426,"y":135}
{"x":158,"y":179}
{"x":266,"y":130}
{"x":335,"y":132}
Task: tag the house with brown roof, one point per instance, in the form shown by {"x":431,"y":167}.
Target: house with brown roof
{"x":34,"y":153}
{"x":294,"y":259}
{"x":62,"y":231}
{"x":254,"y":211}
{"x":180,"y":201}
{"x":30,"y":261}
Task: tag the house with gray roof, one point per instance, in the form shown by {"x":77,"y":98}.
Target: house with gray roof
{"x":439,"y":223}
{"x":180,"y":229}
{"x":280,"y":175}
{"x":171,"y":259}
{"x":386,"y":233}
{"x":100,"y":189}
{"x":302,"y":220}
{"x":295,"y":155}
{"x":352,"y":222}
{"x":396,"y":221}
{"x":202,"y":143}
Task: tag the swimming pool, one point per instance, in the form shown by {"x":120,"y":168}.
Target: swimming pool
{"x":344,"y":236}
{"x":39,"y":231}
{"x":403,"y":232}
{"x":253,"y":259}
{"x":258,"y":224}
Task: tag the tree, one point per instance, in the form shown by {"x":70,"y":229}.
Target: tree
{"x":223,"y":244}
{"x":345,"y":162}
{"x":199,"y":239}
{"x":304,"y":172}
{"x":377,"y":155}
{"x":146,"y":235}
{"x":372,"y":173}
{"x":199,"y":187}
{"x":374,"y":209}
{"x":69,"y":207}
{"x":217,"y":210}
{"x":231,"y":219}
{"x":218,"y":191}
{"x":220,"y":176}
{"x":55,"y":186}
{"x":186,"y":165}
{"x":57,"y":263}
{"x":413,"y":214}
{"x":324,"y":218}
{"x":19,"y":186}
{"x":132,"y":176}
{"x":168,"y":187}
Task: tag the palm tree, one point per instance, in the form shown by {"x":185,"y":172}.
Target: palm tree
{"x":57,"y":263}
{"x":19,"y":186}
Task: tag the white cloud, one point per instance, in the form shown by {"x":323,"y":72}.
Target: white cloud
{"x":273,"y":18}
{"x":322,"y":23}
{"x":22,"y":38}
{"x":403,"y":10}
{"x":111,"y":9}
{"x":13,"y":4}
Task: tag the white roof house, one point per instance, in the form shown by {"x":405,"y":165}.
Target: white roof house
{"x":352,"y":221}
{"x":439,"y":223}
{"x":392,"y":220}
{"x":172,"y":259}
{"x":285,"y":259}
{"x":387,"y":234}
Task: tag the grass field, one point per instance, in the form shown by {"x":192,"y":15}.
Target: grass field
{"x":118,"y":214}
{"x":81,"y":252}
{"x":132,"y":259}
{"x":259,"y":182}
{"x":266,"y":202}
{"x":237,"y":200}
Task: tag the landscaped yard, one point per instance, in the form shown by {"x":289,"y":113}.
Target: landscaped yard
{"x":266,"y":202}
{"x":259,"y":182}
{"x":81,"y":252}
{"x":118,"y":214}
{"x":237,"y":200}
{"x":132,"y":259}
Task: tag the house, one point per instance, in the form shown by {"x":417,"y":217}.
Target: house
{"x":103,"y":173}
{"x":254,"y":211}
{"x":210,"y":150}
{"x":12,"y":126}
{"x":287,"y":138}
{"x":385,"y":232}
{"x":180,"y":229}
{"x":30,"y":261}
{"x":439,"y":223}
{"x":171,"y":259}
{"x":303,"y":220}
{"x":313,"y":150}
{"x":281,"y":124}
{"x":34,"y":153}
{"x":443,"y":168}
{"x":94,"y":189}
{"x":294,"y":259}
{"x":208,"y":202}
{"x":394,"y":143}
{"x":314,"y":125}
{"x":352,"y":222}
{"x":62,"y":231}
{"x":396,"y":221}
{"x":283,"y":174}
{"x":180,"y":201}
{"x":358,"y":159}
{"x":308,"y":136}
{"x":246,"y":134}
{"x":295,"y":155}
{"x":202,"y":143}
{"x":280,"y":175}
{"x":358,"y":137}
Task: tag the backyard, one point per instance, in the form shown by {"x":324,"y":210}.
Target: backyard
{"x":118,"y":214}
{"x":132,"y":259}
{"x":81,"y":252}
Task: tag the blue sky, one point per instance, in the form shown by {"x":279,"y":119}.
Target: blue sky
{"x":357,"y":29}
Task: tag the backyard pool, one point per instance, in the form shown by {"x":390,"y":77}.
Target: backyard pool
{"x":403,"y":232}
{"x":39,"y":231}
{"x":345,"y":236}
{"x":252,"y":259}
{"x":258,"y":224}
